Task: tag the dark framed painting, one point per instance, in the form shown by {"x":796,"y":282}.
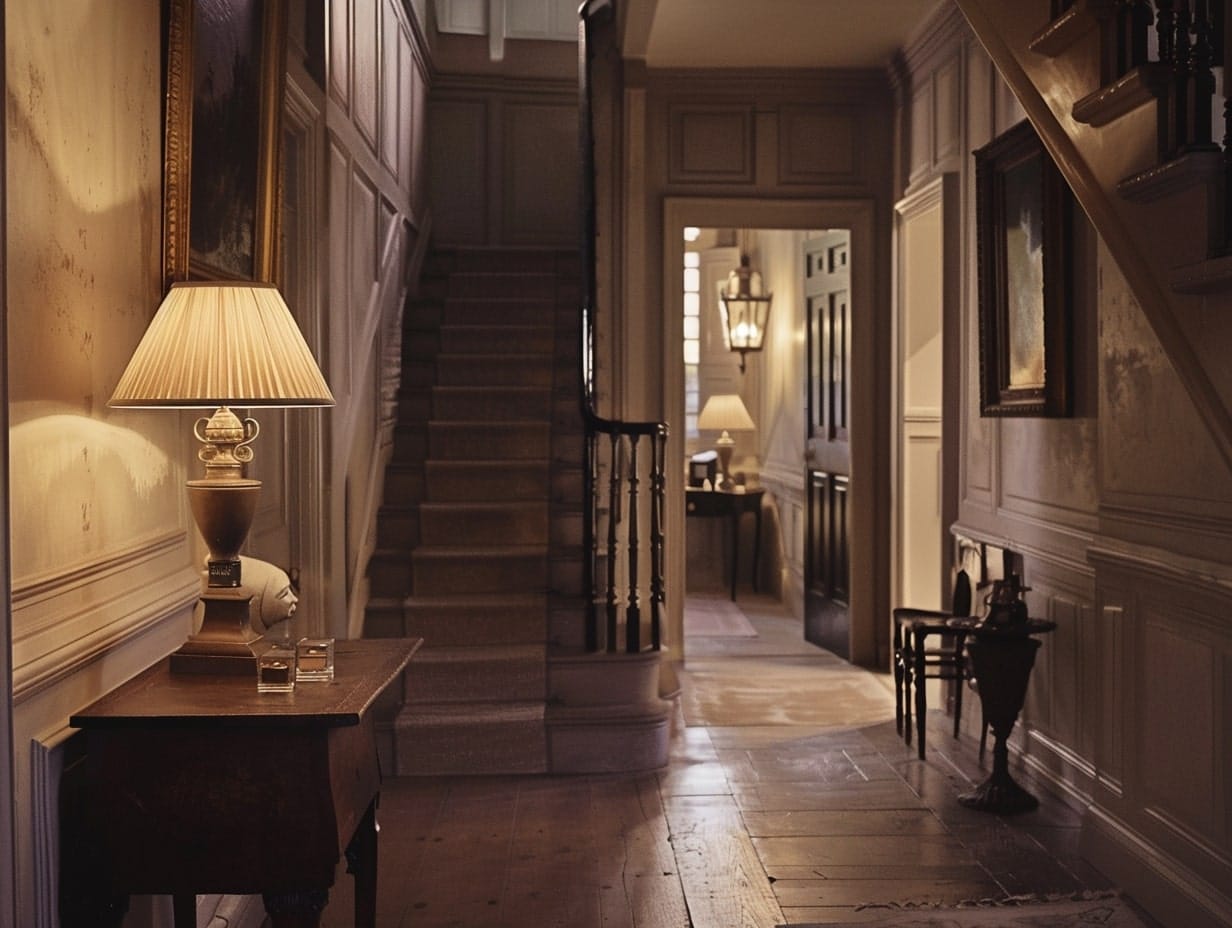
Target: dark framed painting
{"x":1024,"y":228}
{"x":221,"y":187}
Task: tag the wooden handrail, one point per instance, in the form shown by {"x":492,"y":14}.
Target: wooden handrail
{"x":625,"y":545}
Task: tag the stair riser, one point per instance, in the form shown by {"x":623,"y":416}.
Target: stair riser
{"x":398,"y":528}
{"x":488,"y":405}
{"x":463,"y":574}
{"x":390,"y":576}
{"x":420,"y":346}
{"x":404,"y":484}
{"x":466,"y":747}
{"x":410,"y":445}
{"x":466,"y":482}
{"x":564,"y":264}
{"x":414,"y":405}
{"x":384,"y":619}
{"x":498,"y":285}
{"x":457,"y":526}
{"x":453,"y":626}
{"x":499,"y":312}
{"x":512,"y":443}
{"x":465,"y":680}
{"x":475,"y":339}
{"x":494,"y":370}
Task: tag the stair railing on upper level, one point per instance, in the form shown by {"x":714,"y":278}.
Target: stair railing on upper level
{"x":619,"y":547}
{"x":1169,"y":49}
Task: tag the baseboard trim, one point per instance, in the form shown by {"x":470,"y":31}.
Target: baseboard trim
{"x":1161,"y":884}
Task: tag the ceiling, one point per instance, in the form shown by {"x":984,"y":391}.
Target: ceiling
{"x":771,"y":33}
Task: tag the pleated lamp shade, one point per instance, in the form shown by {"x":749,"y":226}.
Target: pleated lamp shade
{"x":222,"y":344}
{"x":725,"y":411}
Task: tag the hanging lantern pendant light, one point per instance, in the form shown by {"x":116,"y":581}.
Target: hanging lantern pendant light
{"x":745,"y":308}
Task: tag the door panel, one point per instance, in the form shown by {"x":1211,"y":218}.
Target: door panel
{"x":827,"y":451}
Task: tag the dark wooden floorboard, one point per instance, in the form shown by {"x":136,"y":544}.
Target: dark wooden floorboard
{"x":789,"y":798}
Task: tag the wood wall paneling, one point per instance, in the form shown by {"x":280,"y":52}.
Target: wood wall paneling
{"x":920,"y":133}
{"x":391,"y":123}
{"x":365,"y":74}
{"x":946,"y":114}
{"x":365,"y":234}
{"x":1109,"y":756}
{"x":819,"y":145}
{"x":339,"y":272}
{"x":458,"y":171}
{"x":409,"y":120}
{"x":541,"y":178}
{"x":1177,"y":747}
{"x":417,"y":141}
{"x":340,"y":52}
{"x":710,"y":144}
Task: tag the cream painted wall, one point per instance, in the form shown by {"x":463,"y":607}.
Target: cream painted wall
{"x":102,"y":582}
{"x":782,"y":414}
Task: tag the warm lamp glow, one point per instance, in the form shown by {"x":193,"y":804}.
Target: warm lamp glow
{"x":725,"y":412}
{"x":222,"y":344}
{"x":745,"y":308}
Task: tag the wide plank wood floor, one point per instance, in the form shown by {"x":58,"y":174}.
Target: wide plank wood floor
{"x":789,"y":799}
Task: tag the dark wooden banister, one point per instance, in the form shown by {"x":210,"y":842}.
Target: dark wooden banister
{"x":619,"y":600}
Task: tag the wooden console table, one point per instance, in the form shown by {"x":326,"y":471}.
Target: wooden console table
{"x":200,"y":784}
{"x":724,"y":503}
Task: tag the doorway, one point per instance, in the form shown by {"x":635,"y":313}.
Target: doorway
{"x":779,"y":411}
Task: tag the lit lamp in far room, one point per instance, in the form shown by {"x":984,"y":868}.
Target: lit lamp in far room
{"x":745,"y":308}
{"x":217,"y":345}
{"x":725,"y":412}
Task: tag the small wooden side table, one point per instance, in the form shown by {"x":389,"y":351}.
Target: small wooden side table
{"x":200,"y":784}
{"x":1001,"y":657}
{"x":725,"y":503}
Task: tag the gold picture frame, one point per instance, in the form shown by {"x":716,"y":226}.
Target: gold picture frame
{"x":222,"y":152}
{"x":1024,"y":216}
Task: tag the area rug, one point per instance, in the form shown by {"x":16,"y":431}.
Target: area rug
{"x":1110,"y":912}
{"x":715,"y":617}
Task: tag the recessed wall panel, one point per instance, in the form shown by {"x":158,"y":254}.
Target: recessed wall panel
{"x":818,"y":146}
{"x":711,"y":144}
{"x":541,"y":185}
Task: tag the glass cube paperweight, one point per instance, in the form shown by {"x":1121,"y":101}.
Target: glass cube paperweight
{"x":315,"y":659}
{"x":276,"y":669}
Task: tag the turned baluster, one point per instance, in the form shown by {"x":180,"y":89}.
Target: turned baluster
{"x":1165,"y":31}
{"x":633,"y":612}
{"x":1200,"y":88}
{"x":658,"y":492}
{"x":590,"y":538}
{"x":613,"y":509}
{"x":1177,"y":123}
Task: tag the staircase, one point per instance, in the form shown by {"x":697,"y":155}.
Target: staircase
{"x":479,"y":536}
{"x":1130,"y":129}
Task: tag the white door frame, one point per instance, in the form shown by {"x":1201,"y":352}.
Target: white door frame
{"x":867,"y":434}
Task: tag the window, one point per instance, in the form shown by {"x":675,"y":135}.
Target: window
{"x":692,"y":338}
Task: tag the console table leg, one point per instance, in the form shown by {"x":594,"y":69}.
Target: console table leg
{"x":296,"y":910}
{"x":184,"y":909}
{"x":362,"y":863}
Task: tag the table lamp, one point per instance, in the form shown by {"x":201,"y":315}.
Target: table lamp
{"x":215,"y":345}
{"x":725,"y":412}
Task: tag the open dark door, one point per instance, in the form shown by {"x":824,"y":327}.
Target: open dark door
{"x":827,"y":450}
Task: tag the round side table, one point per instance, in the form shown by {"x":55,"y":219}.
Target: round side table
{"x":1002,"y":657}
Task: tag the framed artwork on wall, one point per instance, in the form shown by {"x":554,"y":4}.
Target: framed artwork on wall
{"x":1024,"y":216}
{"x":221,"y":184}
